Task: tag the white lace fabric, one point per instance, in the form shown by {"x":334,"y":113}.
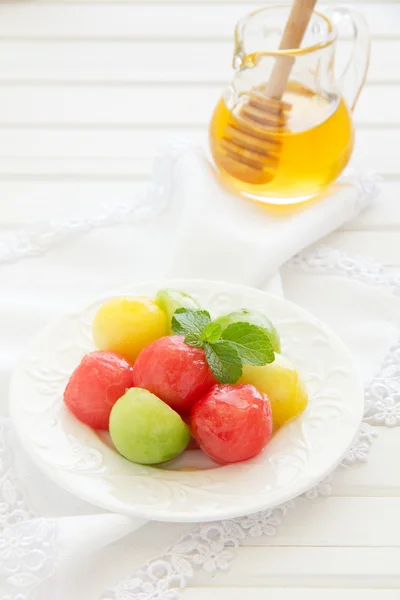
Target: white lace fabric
{"x":209,"y":547}
{"x":323,"y":259}
{"x":382,"y":398}
{"x":27,"y":543}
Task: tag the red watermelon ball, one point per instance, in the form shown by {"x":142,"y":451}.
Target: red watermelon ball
{"x":232,"y":423}
{"x":175,"y":372}
{"x":97,"y":383}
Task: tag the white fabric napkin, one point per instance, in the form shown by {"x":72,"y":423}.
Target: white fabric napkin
{"x":222,"y":236}
{"x":201,"y":230}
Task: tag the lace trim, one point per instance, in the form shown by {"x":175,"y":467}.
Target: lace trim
{"x":359,"y":450}
{"x":382,"y":399}
{"x":323,"y":259}
{"x":321,"y":490}
{"x":208,"y":548}
{"x":26,"y":543}
{"x":38,"y":238}
{"x":382,"y":406}
{"x":27,"y":557}
{"x":13,"y":506}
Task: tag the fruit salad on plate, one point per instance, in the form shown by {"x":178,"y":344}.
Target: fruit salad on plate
{"x":167,"y":378}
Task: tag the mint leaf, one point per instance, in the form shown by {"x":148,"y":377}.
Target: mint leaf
{"x":212,"y":333}
{"x":190,"y":323}
{"x":193,"y":339}
{"x":224,"y":361}
{"x":251,"y":343}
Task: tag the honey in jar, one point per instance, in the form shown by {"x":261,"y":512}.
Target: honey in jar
{"x":311,"y":150}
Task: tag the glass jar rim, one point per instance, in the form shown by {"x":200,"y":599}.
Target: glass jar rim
{"x":330,"y":39}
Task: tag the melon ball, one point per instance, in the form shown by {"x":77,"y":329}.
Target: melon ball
{"x":146,"y":430}
{"x":127,"y":325}
{"x":95,"y":386}
{"x":282,"y":384}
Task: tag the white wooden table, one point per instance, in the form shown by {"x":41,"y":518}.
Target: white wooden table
{"x":88,"y":89}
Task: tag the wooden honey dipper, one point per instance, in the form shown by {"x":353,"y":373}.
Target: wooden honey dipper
{"x":251,"y":153}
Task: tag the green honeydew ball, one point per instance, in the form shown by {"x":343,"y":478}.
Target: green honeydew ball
{"x":145,"y":430}
{"x":255,"y":318}
{"x":170,"y":300}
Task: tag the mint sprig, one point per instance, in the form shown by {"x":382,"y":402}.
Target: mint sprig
{"x":226,"y":350}
{"x":224,"y":361}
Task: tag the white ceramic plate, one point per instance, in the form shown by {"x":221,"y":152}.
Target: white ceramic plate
{"x":190,"y":488}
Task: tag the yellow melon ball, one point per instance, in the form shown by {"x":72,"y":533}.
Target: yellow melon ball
{"x":283,"y":386}
{"x":127,"y":325}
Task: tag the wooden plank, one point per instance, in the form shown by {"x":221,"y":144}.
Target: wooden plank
{"x":116,"y":105}
{"x":155,"y":105}
{"x":156,"y":21}
{"x":144,"y":62}
{"x":376,"y":150}
{"x":80,"y":169}
{"x":156,"y":2}
{"x":304,"y":593}
{"x":77,"y":144}
{"x":62,"y":200}
{"x":371,"y":568}
{"x":352,"y":521}
{"x":107,"y":151}
{"x":377,"y":477}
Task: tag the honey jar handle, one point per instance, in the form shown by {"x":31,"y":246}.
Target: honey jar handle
{"x":295,"y":29}
{"x":352,"y":79}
